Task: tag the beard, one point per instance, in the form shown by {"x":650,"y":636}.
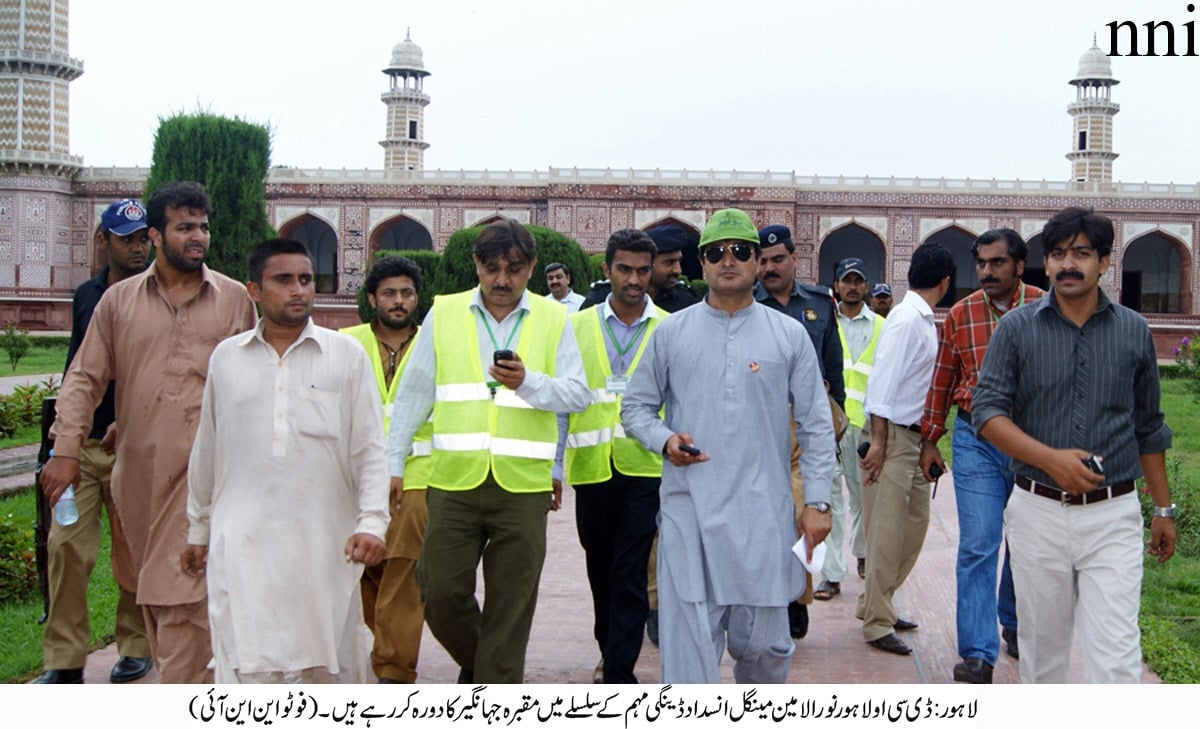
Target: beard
{"x":392,"y":321}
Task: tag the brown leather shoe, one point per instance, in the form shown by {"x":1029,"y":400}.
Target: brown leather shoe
{"x":891,"y":644}
{"x":973,"y":670}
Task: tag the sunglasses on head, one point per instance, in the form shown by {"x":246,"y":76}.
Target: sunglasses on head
{"x":741,"y":251}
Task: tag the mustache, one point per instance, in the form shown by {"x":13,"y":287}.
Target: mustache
{"x":1063,"y":275}
{"x":989,"y":280}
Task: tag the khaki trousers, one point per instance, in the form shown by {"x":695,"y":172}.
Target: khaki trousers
{"x":180,"y":641}
{"x":72,"y":550}
{"x":508,"y":532}
{"x":391,"y":598}
{"x":806,"y":597}
{"x":896,"y":515}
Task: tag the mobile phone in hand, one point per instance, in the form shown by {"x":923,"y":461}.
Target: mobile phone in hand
{"x":502,"y":354}
{"x":1093,"y":464}
{"x":692,"y":450}
{"x":936,"y":471}
{"x":863,"y":448}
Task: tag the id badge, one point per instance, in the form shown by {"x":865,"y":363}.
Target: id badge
{"x":615,"y":384}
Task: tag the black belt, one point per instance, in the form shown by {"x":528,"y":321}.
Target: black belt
{"x":964,"y":415}
{"x":1066,"y":499}
{"x":915,"y":427}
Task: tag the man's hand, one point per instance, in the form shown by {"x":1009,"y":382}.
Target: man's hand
{"x":396,"y":494}
{"x":814,"y":527}
{"x":109,"y":441}
{"x":365,"y":548}
{"x":556,"y":497}
{"x":872,"y":465}
{"x":194,"y":559}
{"x":930,"y":456}
{"x":1065,"y":467}
{"x":678,"y":456}
{"x":510,"y":372}
{"x":1162,"y":538}
{"x":58,"y":473}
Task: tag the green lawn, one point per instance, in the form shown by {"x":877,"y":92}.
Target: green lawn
{"x":20,"y":634}
{"x":40,"y":359}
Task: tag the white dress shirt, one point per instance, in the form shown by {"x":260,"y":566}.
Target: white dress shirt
{"x":904,"y":357}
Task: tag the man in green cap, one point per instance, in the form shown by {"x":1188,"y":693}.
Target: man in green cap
{"x":733,"y":376}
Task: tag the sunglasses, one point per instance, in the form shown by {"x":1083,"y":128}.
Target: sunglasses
{"x":741,"y":251}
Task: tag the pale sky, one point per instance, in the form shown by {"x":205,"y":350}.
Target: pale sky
{"x":939,"y":88}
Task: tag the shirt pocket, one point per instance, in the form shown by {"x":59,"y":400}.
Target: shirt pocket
{"x":319,"y":413}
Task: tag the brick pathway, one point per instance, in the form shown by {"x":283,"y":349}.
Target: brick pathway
{"x":561,"y":649}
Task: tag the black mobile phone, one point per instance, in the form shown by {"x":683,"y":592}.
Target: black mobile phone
{"x":693,"y":450}
{"x":936,"y":471}
{"x":500,"y":354}
{"x":1093,"y":465}
{"x":863,"y":448}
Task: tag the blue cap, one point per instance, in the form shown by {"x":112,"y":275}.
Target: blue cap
{"x":669,"y":237}
{"x":123,"y":217}
{"x":881,"y":290}
{"x":773,"y":235}
{"x":847,"y":266}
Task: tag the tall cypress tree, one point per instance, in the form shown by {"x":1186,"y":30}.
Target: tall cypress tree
{"x":230,"y":157}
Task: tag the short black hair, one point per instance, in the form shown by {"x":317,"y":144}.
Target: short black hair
{"x":629,"y":239}
{"x":1072,"y":221}
{"x":390,"y":266}
{"x":1017,"y":250}
{"x":187,"y":195}
{"x":930,"y":264}
{"x":498,"y":239}
{"x":559,"y":265}
{"x":256,"y":261}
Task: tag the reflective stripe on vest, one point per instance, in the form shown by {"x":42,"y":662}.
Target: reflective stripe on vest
{"x":855,"y":374}
{"x":475,"y":432}
{"x":595,"y":438}
{"x":416,"y":466}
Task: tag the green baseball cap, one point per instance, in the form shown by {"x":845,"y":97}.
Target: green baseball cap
{"x":729,"y":224}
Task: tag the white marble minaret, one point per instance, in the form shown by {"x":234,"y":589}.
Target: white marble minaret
{"x":404,"y":148}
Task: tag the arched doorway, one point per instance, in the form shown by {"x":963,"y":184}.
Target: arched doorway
{"x":852,"y":240}
{"x":401,"y":233}
{"x":690,"y":262}
{"x":322,"y":242}
{"x":1035,"y":264}
{"x":1154,"y":275}
{"x":963,"y":279}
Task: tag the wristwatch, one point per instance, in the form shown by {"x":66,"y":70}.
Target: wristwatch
{"x":823,"y":506}
{"x":1166,"y":512}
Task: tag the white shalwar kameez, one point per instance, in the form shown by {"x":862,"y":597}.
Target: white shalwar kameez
{"x":288,"y":463}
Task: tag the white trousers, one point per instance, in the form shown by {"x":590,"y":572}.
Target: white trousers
{"x":1077,"y":566}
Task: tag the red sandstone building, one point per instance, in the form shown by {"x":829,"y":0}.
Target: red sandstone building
{"x":50,"y":203}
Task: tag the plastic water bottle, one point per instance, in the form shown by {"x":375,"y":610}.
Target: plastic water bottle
{"x":65,"y":511}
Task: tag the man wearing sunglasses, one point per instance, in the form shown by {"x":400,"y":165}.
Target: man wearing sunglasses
{"x":813,"y":307}
{"x":733,"y":377}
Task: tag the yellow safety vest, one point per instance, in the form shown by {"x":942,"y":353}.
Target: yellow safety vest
{"x":416,"y":466}
{"x":855,"y":374}
{"x":595,"y":438}
{"x":474,"y":429}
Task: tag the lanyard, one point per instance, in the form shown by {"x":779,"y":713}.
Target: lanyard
{"x":988,"y":301}
{"x":633,"y":339}
{"x":496,"y":345}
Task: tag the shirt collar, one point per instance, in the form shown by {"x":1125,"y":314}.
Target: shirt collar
{"x":761,"y":293}
{"x":912,"y":298}
{"x":1049,"y":301}
{"x":649,"y":312}
{"x":863,"y":313}
{"x":522,"y":304}
{"x":206,"y":276}
{"x":309,"y":332}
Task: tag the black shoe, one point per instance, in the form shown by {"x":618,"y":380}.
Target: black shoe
{"x":652,"y":627}
{"x":891,"y":644}
{"x":60,"y":675}
{"x":797,"y":620}
{"x":1010,"y":642}
{"x":973,"y":670}
{"x":465,"y":676}
{"x":128,"y":669}
{"x":902,"y":624}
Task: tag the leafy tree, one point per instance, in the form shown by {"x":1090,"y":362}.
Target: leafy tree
{"x":431,"y":265}
{"x":230,"y":158}
{"x":15,"y":342}
{"x":458,"y":269}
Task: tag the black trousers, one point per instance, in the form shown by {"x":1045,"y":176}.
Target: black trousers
{"x":616,"y":521}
